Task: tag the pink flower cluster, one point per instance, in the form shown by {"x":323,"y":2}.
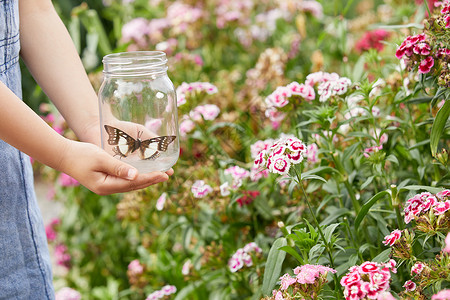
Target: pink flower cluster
{"x":306,"y":274}
{"x":208,"y":112}
{"x":369,"y":280}
{"x":416,"y":48}
{"x":372,"y":40}
{"x":186,"y":125}
{"x":200,"y":189}
{"x":373,"y":149}
{"x":427,"y":203}
{"x":242,"y":257}
{"x":232,"y":11}
{"x":164,"y":291}
{"x":283,"y":153}
{"x":194,"y":87}
{"x":67,"y":293}
{"x":281,"y":96}
{"x":237,"y":174}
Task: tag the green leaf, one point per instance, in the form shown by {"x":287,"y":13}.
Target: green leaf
{"x":366,"y":207}
{"x":430,"y":189}
{"x":273,"y":266}
{"x":438,"y":126}
{"x":186,"y":291}
{"x":334,"y":215}
{"x":328,"y":231}
{"x":292,"y":252}
{"x":383,"y":256}
{"x":367,"y":182}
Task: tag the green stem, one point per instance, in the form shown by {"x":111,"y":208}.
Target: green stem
{"x":395,"y":202}
{"x":325,"y":242}
{"x":349,"y":188}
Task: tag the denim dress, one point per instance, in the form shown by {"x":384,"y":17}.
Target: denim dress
{"x":25,"y":269}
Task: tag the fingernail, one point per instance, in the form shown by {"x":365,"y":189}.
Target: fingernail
{"x":131,"y":173}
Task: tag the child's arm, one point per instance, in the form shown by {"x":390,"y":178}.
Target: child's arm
{"x":90,"y":165}
{"x":49,"y":53}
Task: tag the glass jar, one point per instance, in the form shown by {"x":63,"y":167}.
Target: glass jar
{"x":138,"y":110}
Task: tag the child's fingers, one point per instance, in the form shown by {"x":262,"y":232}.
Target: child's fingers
{"x":113,"y":184}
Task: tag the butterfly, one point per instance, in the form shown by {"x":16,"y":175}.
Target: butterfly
{"x":125,"y":144}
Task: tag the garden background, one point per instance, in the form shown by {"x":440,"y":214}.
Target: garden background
{"x":314,"y":159}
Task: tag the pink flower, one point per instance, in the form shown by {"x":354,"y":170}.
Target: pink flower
{"x":409,"y":286}
{"x":385,"y":296}
{"x":428,"y":203}
{"x":135,"y":267}
{"x":200,"y":189}
{"x":237,"y":172}
{"x":303,"y":90}
{"x":279,"y":98}
{"x":186,"y":267}
{"x":350,"y":279}
{"x":136,"y":31}
{"x":287,"y":281}
{"x":278,"y":295}
{"x":66,"y":293}
{"x":186,"y":126}
{"x":307,"y":274}
{"x":372,"y":149}
{"x":447,"y":21}
{"x":417,"y":268}
{"x":50,"y":229}
{"x":169,"y":290}
{"x":426,"y":65}
{"x":422,"y":48}
{"x":161,"y":201}
{"x":312,"y":152}
{"x":67,"y":181}
{"x":390,"y":239}
{"x":447,"y":244}
{"x":368,"y":267}
{"x":62,"y":257}
{"x":235,"y":263}
{"x":207,"y":112}
{"x":372,"y":40}
{"x":280,"y":165}
{"x":442,"y":295}
{"x":242,"y":257}
{"x":441,"y":207}
{"x":355,"y":291}
{"x":443,"y":195}
{"x":252,"y":247}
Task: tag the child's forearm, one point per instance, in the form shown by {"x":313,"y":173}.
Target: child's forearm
{"x":23,"y":129}
{"x":49,"y":53}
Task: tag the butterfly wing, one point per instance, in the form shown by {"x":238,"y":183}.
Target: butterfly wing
{"x":150,"y":149}
{"x":124,"y":143}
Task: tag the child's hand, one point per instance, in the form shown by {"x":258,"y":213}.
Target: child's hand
{"x":101,"y":173}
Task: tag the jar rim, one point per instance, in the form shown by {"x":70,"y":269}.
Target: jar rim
{"x":135,"y":62}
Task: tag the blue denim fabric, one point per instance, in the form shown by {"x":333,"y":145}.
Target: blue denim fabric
{"x":25,"y":269}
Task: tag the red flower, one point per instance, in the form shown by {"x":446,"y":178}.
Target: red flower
{"x":247,"y":198}
{"x":372,"y":40}
{"x":426,"y":65}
